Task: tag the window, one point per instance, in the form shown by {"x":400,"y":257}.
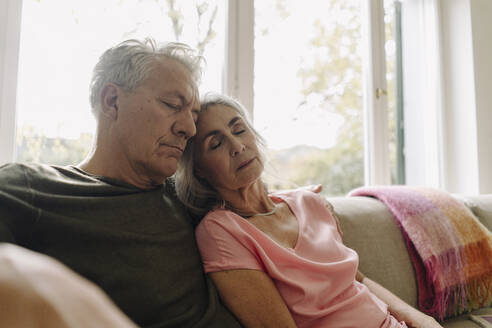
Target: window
{"x":308,"y":73}
{"x":59,"y":46}
{"x":308,"y":92}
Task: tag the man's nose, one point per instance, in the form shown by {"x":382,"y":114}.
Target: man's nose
{"x":185,"y":125}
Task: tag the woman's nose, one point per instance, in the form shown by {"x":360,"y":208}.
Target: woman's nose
{"x":237,"y":147}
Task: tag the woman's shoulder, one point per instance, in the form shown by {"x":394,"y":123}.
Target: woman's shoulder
{"x":218,"y":218}
{"x":299,"y":195}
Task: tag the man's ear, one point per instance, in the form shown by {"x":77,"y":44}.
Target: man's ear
{"x":109,"y":100}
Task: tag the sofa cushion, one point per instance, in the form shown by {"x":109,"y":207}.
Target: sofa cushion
{"x":481,"y":206}
{"x":370,"y":229}
{"x":464,"y":321}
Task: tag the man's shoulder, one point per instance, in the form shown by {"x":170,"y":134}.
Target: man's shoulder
{"x":13,"y":172}
{"x":36,"y":176}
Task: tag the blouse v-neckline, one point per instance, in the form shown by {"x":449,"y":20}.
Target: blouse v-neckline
{"x":300,"y":223}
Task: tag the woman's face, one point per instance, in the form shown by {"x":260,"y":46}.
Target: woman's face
{"x":226,"y":154}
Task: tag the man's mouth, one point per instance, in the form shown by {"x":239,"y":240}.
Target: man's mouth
{"x":176,"y":147}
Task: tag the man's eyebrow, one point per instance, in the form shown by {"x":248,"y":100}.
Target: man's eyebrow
{"x":215,"y":132}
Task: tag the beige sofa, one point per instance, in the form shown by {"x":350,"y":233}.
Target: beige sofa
{"x":370,"y":229}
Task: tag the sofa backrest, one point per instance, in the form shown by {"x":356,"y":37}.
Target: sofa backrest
{"x":481,"y":206}
{"x":370,"y":229}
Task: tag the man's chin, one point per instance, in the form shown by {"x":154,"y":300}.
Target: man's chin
{"x":162,"y":168}
{"x":167,"y":170}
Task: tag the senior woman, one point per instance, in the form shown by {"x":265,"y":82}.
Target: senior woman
{"x":277,"y":259}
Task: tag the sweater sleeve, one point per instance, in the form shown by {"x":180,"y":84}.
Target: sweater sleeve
{"x":225,"y":246}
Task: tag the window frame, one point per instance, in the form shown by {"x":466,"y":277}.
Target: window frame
{"x":238,"y":77}
{"x":10,"y":22}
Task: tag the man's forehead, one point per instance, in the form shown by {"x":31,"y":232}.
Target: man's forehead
{"x":173,"y":83}
{"x":170,"y":69}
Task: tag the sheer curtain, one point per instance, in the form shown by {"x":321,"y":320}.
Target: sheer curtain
{"x":422,"y":83}
{"x":446,"y":63}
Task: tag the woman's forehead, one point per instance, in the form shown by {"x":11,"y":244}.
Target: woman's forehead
{"x":215,"y":116}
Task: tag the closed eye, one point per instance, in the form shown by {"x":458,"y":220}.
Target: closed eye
{"x":238,"y":128}
{"x":215,"y":144}
{"x":170,"y":105}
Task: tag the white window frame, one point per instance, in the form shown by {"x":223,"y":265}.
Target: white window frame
{"x":10,"y":22}
{"x":376,"y":140}
{"x":239,"y":57}
{"x":238,"y":77}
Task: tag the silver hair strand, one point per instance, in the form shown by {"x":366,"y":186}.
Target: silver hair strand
{"x":130,"y":62}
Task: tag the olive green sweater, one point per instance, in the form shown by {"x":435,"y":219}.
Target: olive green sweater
{"x":137,"y":245}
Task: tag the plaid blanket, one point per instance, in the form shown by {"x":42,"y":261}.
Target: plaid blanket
{"x":450,"y":249}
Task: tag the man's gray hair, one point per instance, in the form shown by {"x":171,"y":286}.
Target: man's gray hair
{"x":194,"y":192}
{"x":129,"y":63}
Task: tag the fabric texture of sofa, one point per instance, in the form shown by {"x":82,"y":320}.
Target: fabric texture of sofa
{"x":370,"y":229}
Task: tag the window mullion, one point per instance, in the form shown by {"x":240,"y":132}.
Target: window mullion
{"x":10,"y":20}
{"x":239,"y":58}
{"x":376,"y":160}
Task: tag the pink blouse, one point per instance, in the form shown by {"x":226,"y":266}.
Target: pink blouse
{"x":316,"y":278}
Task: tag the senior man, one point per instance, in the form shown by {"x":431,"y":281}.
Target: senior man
{"x":114,"y":219}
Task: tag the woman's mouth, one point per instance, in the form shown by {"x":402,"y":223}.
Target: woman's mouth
{"x":245,"y":164}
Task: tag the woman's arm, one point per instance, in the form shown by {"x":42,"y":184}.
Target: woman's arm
{"x":397,"y":307}
{"x":253,"y":298}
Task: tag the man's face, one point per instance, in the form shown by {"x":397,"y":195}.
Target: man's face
{"x":156,"y":120}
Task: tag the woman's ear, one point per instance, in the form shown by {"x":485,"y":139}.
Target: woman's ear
{"x":109,"y":100}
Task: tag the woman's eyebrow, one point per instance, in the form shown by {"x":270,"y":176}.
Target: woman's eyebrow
{"x":215,"y":132}
{"x":234,"y":120}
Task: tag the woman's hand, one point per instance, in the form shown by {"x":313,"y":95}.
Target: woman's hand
{"x":399,"y":309}
{"x":421,"y":320}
